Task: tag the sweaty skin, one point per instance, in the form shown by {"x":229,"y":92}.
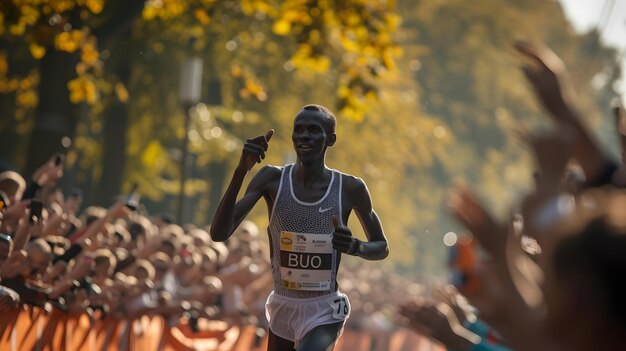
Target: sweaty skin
{"x":311,"y":137}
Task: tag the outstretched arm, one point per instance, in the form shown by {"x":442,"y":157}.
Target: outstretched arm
{"x":231,"y":212}
{"x":376,"y":248}
{"x":550,"y":80}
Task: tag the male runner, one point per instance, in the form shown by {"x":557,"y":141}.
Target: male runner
{"x":309,"y":205}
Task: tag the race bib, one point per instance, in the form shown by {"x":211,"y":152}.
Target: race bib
{"x":306,"y":261}
{"x":340,"y":308}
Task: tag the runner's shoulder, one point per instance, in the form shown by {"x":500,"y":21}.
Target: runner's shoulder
{"x":353,"y":184}
{"x":269,"y":173}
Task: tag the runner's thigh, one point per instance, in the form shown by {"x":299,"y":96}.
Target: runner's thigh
{"x":276,"y":343}
{"x":321,"y":338}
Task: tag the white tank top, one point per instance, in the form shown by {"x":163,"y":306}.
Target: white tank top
{"x":304,"y":264}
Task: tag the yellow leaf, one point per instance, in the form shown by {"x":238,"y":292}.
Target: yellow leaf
{"x":388,"y":60}
{"x":26,"y":98}
{"x":393,"y":20}
{"x":17,"y":29}
{"x":319,"y":64}
{"x":235,"y":71}
{"x":253,"y":87}
{"x":202,"y":16}
{"x":297,"y":16}
{"x":121,"y":92}
{"x":349,"y":45}
{"x":353,"y":19}
{"x":26,"y":83}
{"x":76,"y":93}
{"x":281,"y":27}
{"x":152,"y":153}
{"x":30,"y":14}
{"x":61,"y":6}
{"x":314,"y":37}
{"x":81,"y":68}
{"x":83,"y":88}
{"x":149,"y":12}
{"x":89,"y":54}
{"x":91,"y":92}
{"x":362,"y":33}
{"x":69,"y":41}
{"x":95,"y":6}
{"x":37,"y":50}
{"x":343,"y":91}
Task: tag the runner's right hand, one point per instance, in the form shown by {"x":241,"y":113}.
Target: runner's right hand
{"x":254,"y":150}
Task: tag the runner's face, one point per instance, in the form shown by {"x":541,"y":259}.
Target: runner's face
{"x":309,"y":136}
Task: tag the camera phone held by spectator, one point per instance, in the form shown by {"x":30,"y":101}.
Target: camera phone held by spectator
{"x":36,"y":207}
{"x":132,"y":201}
{"x":58,"y":159}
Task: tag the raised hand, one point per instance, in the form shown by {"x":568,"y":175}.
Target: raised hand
{"x":9,"y":300}
{"x":438,"y":321}
{"x":510,"y":295}
{"x":548,"y":77}
{"x":119,"y":210}
{"x":449,"y":295}
{"x":464,"y":205}
{"x":550,"y":80}
{"x":254,"y":150}
{"x":13,"y":214}
{"x":343,"y":241}
{"x":50,"y":172}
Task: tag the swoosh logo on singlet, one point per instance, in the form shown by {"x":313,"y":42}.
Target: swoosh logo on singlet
{"x":322,"y":210}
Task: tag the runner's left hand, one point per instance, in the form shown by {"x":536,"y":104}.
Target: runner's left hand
{"x":343,"y":241}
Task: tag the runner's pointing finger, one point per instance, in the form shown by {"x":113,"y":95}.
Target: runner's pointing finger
{"x":264,"y":140}
{"x":268,"y":135}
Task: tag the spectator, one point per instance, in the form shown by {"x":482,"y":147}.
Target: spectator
{"x":13,"y":185}
{"x":9,"y":299}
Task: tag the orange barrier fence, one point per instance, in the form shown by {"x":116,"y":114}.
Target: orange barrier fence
{"x":35,"y":329}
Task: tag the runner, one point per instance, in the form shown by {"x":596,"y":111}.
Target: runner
{"x":308,"y":206}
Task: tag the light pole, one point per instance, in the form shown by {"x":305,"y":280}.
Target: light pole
{"x":189,"y":93}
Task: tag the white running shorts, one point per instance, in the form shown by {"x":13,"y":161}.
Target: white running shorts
{"x":292,"y":319}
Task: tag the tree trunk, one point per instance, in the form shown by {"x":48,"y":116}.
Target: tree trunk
{"x":55,"y":116}
{"x":218,"y":172}
{"x":114,"y":153}
{"x":116,"y":35}
{"x":115,"y":133}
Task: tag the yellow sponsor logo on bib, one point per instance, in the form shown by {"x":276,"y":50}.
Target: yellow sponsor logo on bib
{"x":286,"y":241}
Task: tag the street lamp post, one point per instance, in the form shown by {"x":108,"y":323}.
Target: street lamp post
{"x":189,"y":93}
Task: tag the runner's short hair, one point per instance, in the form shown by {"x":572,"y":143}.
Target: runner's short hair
{"x":331,"y":120}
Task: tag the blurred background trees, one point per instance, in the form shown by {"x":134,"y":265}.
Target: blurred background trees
{"x":425,"y":92}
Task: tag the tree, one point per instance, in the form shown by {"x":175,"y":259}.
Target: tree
{"x":470,"y":80}
{"x":66,"y":40}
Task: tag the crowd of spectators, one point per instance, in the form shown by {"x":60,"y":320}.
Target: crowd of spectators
{"x":122,"y":262}
{"x":552,"y":275}
{"x":119,"y":261}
